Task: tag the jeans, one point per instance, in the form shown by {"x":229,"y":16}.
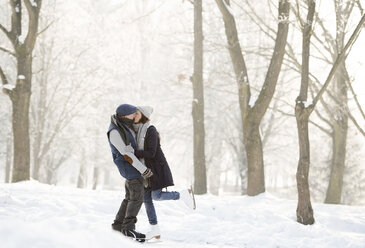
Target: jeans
{"x":150,"y":208}
{"x":126,"y":217}
{"x":157,"y":195}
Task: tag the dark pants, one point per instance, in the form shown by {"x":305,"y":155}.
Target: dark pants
{"x":150,"y":208}
{"x":127,"y":215}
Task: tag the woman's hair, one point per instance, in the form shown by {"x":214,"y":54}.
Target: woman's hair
{"x":143,"y":119}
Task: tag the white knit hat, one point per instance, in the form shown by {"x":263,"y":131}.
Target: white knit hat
{"x":146,"y":110}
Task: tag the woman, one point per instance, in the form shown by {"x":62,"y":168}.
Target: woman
{"x":149,"y":152}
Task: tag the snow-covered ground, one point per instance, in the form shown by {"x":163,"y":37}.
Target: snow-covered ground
{"x":37,"y":215}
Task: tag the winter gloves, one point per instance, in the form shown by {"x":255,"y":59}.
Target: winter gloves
{"x":148,"y":173}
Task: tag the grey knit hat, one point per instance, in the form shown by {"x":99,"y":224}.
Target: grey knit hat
{"x":146,"y":110}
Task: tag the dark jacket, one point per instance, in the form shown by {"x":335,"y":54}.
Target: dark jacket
{"x":155,"y":160}
{"x":126,"y":170}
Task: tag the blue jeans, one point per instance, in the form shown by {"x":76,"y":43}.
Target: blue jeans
{"x":157,"y":195}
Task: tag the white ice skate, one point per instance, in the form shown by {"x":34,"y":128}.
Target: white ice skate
{"x":187,"y":196}
{"x":154,"y":233}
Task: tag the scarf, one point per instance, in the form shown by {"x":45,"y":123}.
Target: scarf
{"x":120,"y":124}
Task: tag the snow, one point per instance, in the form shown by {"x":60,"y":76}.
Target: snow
{"x":8,"y":86}
{"x":283,"y":19}
{"x":21,"y":38}
{"x":252,"y":101}
{"x":306,"y":103}
{"x":37,"y":215}
{"x":34,"y":3}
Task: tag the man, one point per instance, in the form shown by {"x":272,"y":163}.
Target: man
{"x":122,"y":142}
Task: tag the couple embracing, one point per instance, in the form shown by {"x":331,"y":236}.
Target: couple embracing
{"x":136,"y":151}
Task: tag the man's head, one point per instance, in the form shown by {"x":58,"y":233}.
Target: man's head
{"x":127,"y":111}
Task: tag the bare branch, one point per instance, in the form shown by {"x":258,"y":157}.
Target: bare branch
{"x":6,"y":90}
{"x":326,"y":131}
{"x":307,"y":32}
{"x":45,"y":29}
{"x":16,"y":17}
{"x":329,"y":38}
{"x":7,"y":51}
{"x":339,"y":59}
{"x":235,"y":52}
{"x":296,"y":11}
{"x":3,"y":77}
{"x":360,"y":7}
{"x":147,"y":14}
{"x":7,"y":33}
{"x":273,"y":71}
{"x":338,"y":102}
{"x":33,"y":12}
{"x":356,"y":100}
{"x":323,"y":129}
{"x":261,"y":24}
{"x":328,"y":111}
{"x":356,"y":124}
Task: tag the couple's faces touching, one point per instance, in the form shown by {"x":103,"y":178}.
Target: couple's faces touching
{"x":131,"y":116}
{"x":135,"y":116}
{"x":138,"y":116}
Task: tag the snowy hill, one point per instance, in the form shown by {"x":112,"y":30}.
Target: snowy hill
{"x":38,"y":215}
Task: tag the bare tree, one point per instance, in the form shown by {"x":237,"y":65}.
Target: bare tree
{"x":9,"y":154}
{"x":251,"y":116}
{"x":82,"y":178}
{"x":20,"y":93}
{"x":304,"y":109}
{"x":340,"y":120}
{"x":200,"y":174}
{"x":336,"y":106}
{"x":335,"y":112}
{"x":302,"y":112}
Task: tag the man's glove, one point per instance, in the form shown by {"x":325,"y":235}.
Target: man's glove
{"x":129,"y":148}
{"x":148,"y":173}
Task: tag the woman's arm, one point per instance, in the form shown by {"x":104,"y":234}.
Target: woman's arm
{"x":150,"y":144}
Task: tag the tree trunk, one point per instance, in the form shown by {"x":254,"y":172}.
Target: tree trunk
{"x":339,"y":139}
{"x":49,"y":172}
{"x":36,"y":164}
{"x":200,"y":177}
{"x":9,"y":154}
{"x":304,"y":208}
{"x":242,"y":168}
{"x":251,"y":116}
{"x":20,"y":95}
{"x":21,"y":102}
{"x":96,"y":177}
{"x":82,"y":178}
{"x":302,"y":113}
{"x":39,"y":114}
{"x":214,"y":180}
{"x":255,"y":170}
{"x":340,"y":122}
